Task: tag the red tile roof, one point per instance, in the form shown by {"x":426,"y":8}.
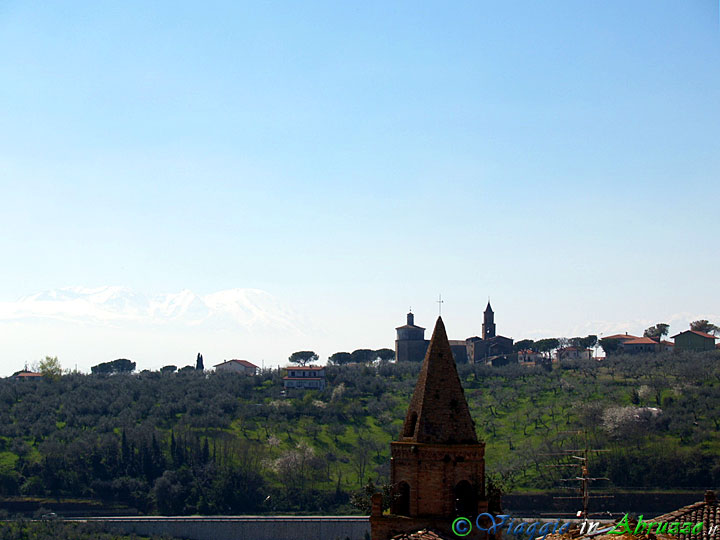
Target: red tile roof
{"x":641,"y":341}
{"x":303,"y":378}
{"x":621,"y":336}
{"x":27,"y":374}
{"x":707,"y":511}
{"x":241,"y":362}
{"x":703,"y":334}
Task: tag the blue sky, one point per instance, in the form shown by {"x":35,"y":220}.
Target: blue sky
{"x":355,"y":159}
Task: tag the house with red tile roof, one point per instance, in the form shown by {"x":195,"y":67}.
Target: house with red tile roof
{"x":236,"y":366}
{"x":25,"y":375}
{"x":694,"y":340}
{"x":639,"y":345}
{"x":629,"y":344}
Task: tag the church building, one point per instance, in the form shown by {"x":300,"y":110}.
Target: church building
{"x":437,"y":466}
{"x":489,"y":345}
{"x":411,"y":345}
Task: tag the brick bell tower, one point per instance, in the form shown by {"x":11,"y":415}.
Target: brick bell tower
{"x":488,"y":326}
{"x":437,"y":465}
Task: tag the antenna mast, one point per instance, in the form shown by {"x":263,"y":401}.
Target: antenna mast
{"x":583,"y":477}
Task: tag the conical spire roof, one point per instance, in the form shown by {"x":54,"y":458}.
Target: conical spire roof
{"x":438,"y":411}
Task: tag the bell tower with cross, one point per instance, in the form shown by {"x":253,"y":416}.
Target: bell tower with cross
{"x":488,"y":326}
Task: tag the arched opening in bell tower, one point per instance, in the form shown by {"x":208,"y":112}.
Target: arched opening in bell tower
{"x":401,"y":504}
{"x":465,"y":499}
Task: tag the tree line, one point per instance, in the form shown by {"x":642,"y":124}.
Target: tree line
{"x":358,"y":356}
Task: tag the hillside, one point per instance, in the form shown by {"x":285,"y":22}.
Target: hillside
{"x":178,"y":443}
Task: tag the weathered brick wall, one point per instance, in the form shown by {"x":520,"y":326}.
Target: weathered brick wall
{"x":432,"y":471}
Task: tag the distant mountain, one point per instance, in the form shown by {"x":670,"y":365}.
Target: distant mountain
{"x":251,"y":309}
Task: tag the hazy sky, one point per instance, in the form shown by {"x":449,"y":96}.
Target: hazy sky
{"x":355,"y":159}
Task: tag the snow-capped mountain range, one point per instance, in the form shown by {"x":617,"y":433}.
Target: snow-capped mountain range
{"x":250,"y":309}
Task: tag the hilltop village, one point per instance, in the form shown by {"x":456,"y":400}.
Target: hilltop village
{"x":490,"y":348}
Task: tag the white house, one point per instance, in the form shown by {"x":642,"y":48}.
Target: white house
{"x":573,"y":353}
{"x":305,"y":377}
{"x":237,"y":366}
